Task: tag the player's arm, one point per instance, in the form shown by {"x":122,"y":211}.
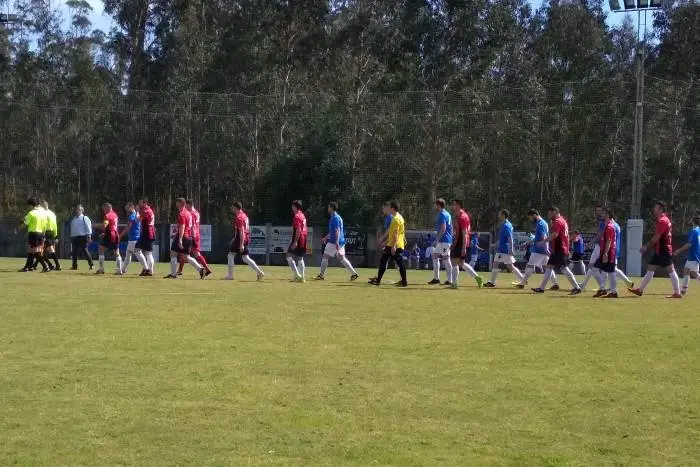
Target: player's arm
{"x":126,"y":229}
{"x":511,"y":246}
{"x":608,"y":245}
{"x":441,"y":232}
{"x":241,"y":236}
{"x":654,"y":240}
{"x":295,"y":240}
{"x":682,"y":249}
{"x":465,"y":242}
{"x":180,"y":233}
{"x":337,"y":237}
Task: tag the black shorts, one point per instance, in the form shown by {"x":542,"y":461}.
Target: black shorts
{"x":186,"y":246}
{"x":299,"y":252}
{"x":662,"y":261}
{"x":558,"y":259}
{"x":236,"y":248}
{"x":110,"y":241}
{"x":605,"y":267}
{"x":457,"y":250}
{"x":35,"y":239}
{"x":49,"y":238}
{"x":397,"y":255}
{"x":144,"y":244}
{"x":576,"y":257}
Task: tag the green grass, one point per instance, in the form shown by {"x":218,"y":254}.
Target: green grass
{"x":333,"y":373}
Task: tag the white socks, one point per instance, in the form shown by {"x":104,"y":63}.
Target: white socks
{"x":547,"y":277}
{"x":173,"y":266}
{"x":455,"y":275}
{"x":252,"y":264}
{"x":324,"y":267}
{"x":231,"y":264}
{"x":554,"y":278}
{"x":622,"y":275}
{"x":127,"y":261}
{"x":494,"y":274}
{"x":293,"y":266}
{"x":470,"y":270}
{"x":141,"y":258}
{"x":194,"y":263}
{"x":301,"y":267}
{"x":572,"y":279}
{"x":347,"y":265}
{"x":686,"y":283}
{"x":448,"y":268}
{"x":647,"y":278}
{"x":436,"y":269}
{"x":516,"y":272}
{"x":529,"y":271}
{"x":101,"y":259}
{"x":675,"y":282}
{"x":119,"y":264}
{"x":613,"y":282}
{"x":150,"y":262}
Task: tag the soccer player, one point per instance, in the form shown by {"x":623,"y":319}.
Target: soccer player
{"x":50,"y":237}
{"x":662,"y":242}
{"x":618,"y":243}
{"x":133,"y":232}
{"x":34,"y":221}
{"x":297,"y":249}
{"x":382,"y":236}
{"x":110,"y":240}
{"x":504,"y":249}
{"x":182,"y":243}
{"x":474,"y":250}
{"x":196,"y":252}
{"x":335,"y":244}
{"x":395,"y":243}
{"x":443,"y":242}
{"x":539,"y":251}
{"x":458,"y":250}
{"x":607,"y":260}
{"x":592,"y":270}
{"x":240,"y":242}
{"x":144,"y":245}
{"x":692,"y":263}
{"x":559,"y":252}
{"x":578,"y":247}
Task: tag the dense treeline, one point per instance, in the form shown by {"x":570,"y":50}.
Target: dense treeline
{"x":268,"y":101}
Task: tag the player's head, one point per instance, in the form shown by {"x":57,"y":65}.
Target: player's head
{"x":236,"y":207}
{"x":659,"y":208}
{"x":503,"y":214}
{"x":79,"y":210}
{"x":130,"y":207}
{"x":553,"y":212}
{"x":44,"y":204}
{"x":332,"y":207}
{"x":386,"y":208}
{"x":609,"y":213}
{"x":457,"y":205}
{"x":189,"y":204}
{"x":394,"y":206}
{"x":440,"y":204}
{"x":143,"y":202}
{"x":696,"y":220}
{"x":297,"y":206}
{"x":180,"y":203}
{"x":576,"y":232}
{"x":32,"y":202}
{"x":599,"y":211}
{"x":106,"y":208}
{"x":533,"y":214}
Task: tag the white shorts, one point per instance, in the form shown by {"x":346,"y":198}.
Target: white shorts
{"x":131,"y":247}
{"x":538,"y":260}
{"x":595,"y":255}
{"x":692,"y":266}
{"x":504,"y":259}
{"x":442,"y":249}
{"x":331,"y":251}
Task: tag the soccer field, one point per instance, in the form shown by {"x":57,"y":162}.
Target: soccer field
{"x":123,"y":370}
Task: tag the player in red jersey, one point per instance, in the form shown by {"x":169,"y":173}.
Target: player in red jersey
{"x":559,"y":252}
{"x":182,"y":243}
{"x":239,"y":244}
{"x":110,"y":239}
{"x":144,"y":245}
{"x":297,"y":249}
{"x":196,"y":253}
{"x":460,"y":245}
{"x":662,"y":244}
{"x":607,"y":260}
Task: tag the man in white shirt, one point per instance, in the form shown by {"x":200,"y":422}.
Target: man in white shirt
{"x":80,"y":234}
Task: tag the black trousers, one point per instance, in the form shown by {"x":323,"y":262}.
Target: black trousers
{"x":398,"y":259}
{"x":78,"y":246}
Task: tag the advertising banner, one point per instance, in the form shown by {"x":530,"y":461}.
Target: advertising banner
{"x":258,"y":240}
{"x":282,"y":237}
{"x":204,"y":236}
{"x":355,"y":242}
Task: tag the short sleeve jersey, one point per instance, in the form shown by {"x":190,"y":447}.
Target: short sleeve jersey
{"x":111,"y":222}
{"x":241,"y":224}
{"x":34,"y":220}
{"x":463,"y":226}
{"x":397,"y":230}
{"x":148,"y":223}
{"x":694,"y":241}
{"x":504,"y":237}
{"x":135,"y":230}
{"x":184,"y":218}
{"x":51,"y":223}
{"x":336,"y":224}
{"x":664,"y":247}
{"x":579,"y":245}
{"x":541,"y":232}
{"x":299,"y":225}
{"x":609,"y":235}
{"x":195,"y":223}
{"x":618,"y":239}
{"x":444,"y":219}
{"x":561,"y":243}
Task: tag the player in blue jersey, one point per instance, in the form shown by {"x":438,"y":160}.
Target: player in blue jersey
{"x":443,"y":242}
{"x":618,"y":243}
{"x":592,"y":270}
{"x":578,"y":247}
{"x":692,"y":263}
{"x":335,"y":244}
{"x":132,"y":232}
{"x":539,"y":255}
{"x":504,"y":249}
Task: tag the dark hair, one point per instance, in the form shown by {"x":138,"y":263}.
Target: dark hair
{"x":661,"y":205}
{"x":237,"y":205}
{"x":505,"y":213}
{"x":554,"y":209}
{"x":611,"y":213}
{"x":533,"y":212}
{"x":696,"y":220}
{"x":143,"y":200}
{"x":394,"y":205}
{"x":333,"y":205}
{"x":458,"y":202}
{"x":180,"y":200}
{"x":32,"y":202}
{"x":297,"y":204}
{"x":440,"y":202}
{"x":189,"y":201}
{"x":130,"y":204}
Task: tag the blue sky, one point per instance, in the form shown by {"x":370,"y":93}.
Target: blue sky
{"x":102,"y":21}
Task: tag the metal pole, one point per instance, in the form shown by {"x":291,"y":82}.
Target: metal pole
{"x":640,"y":106}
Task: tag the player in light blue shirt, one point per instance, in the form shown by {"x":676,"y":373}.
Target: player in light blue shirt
{"x":540,"y":250}
{"x":504,"y":250}
{"x":335,"y":244}
{"x":692,"y":263}
{"x":443,"y":227}
{"x":132,"y":232}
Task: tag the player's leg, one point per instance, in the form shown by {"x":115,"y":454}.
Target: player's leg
{"x":101,"y":259}
{"x":569,"y":274}
{"x":86,"y":252}
{"x":181,"y":266}
{"x":495,"y":270}
{"x":203,"y":261}
{"x":398,"y":258}
{"x":174,"y":259}
{"x":74,"y":250}
{"x":383,"y":264}
{"x":347,"y":264}
{"x":675,"y":280}
{"x":293,"y":265}
{"x":554,"y":280}
{"x":545,"y":280}
{"x":651,"y":270}
{"x":54,"y":256}
{"x":469,"y":269}
{"x":448,"y":264}
{"x":514,"y":270}
{"x":324,"y":266}
{"x":130,"y":251}
{"x":436,"y":267}
{"x":141,"y":258}
{"x":301,"y":267}
{"x":456,"y":265}
{"x":118,"y":258}
{"x":623,"y":276}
